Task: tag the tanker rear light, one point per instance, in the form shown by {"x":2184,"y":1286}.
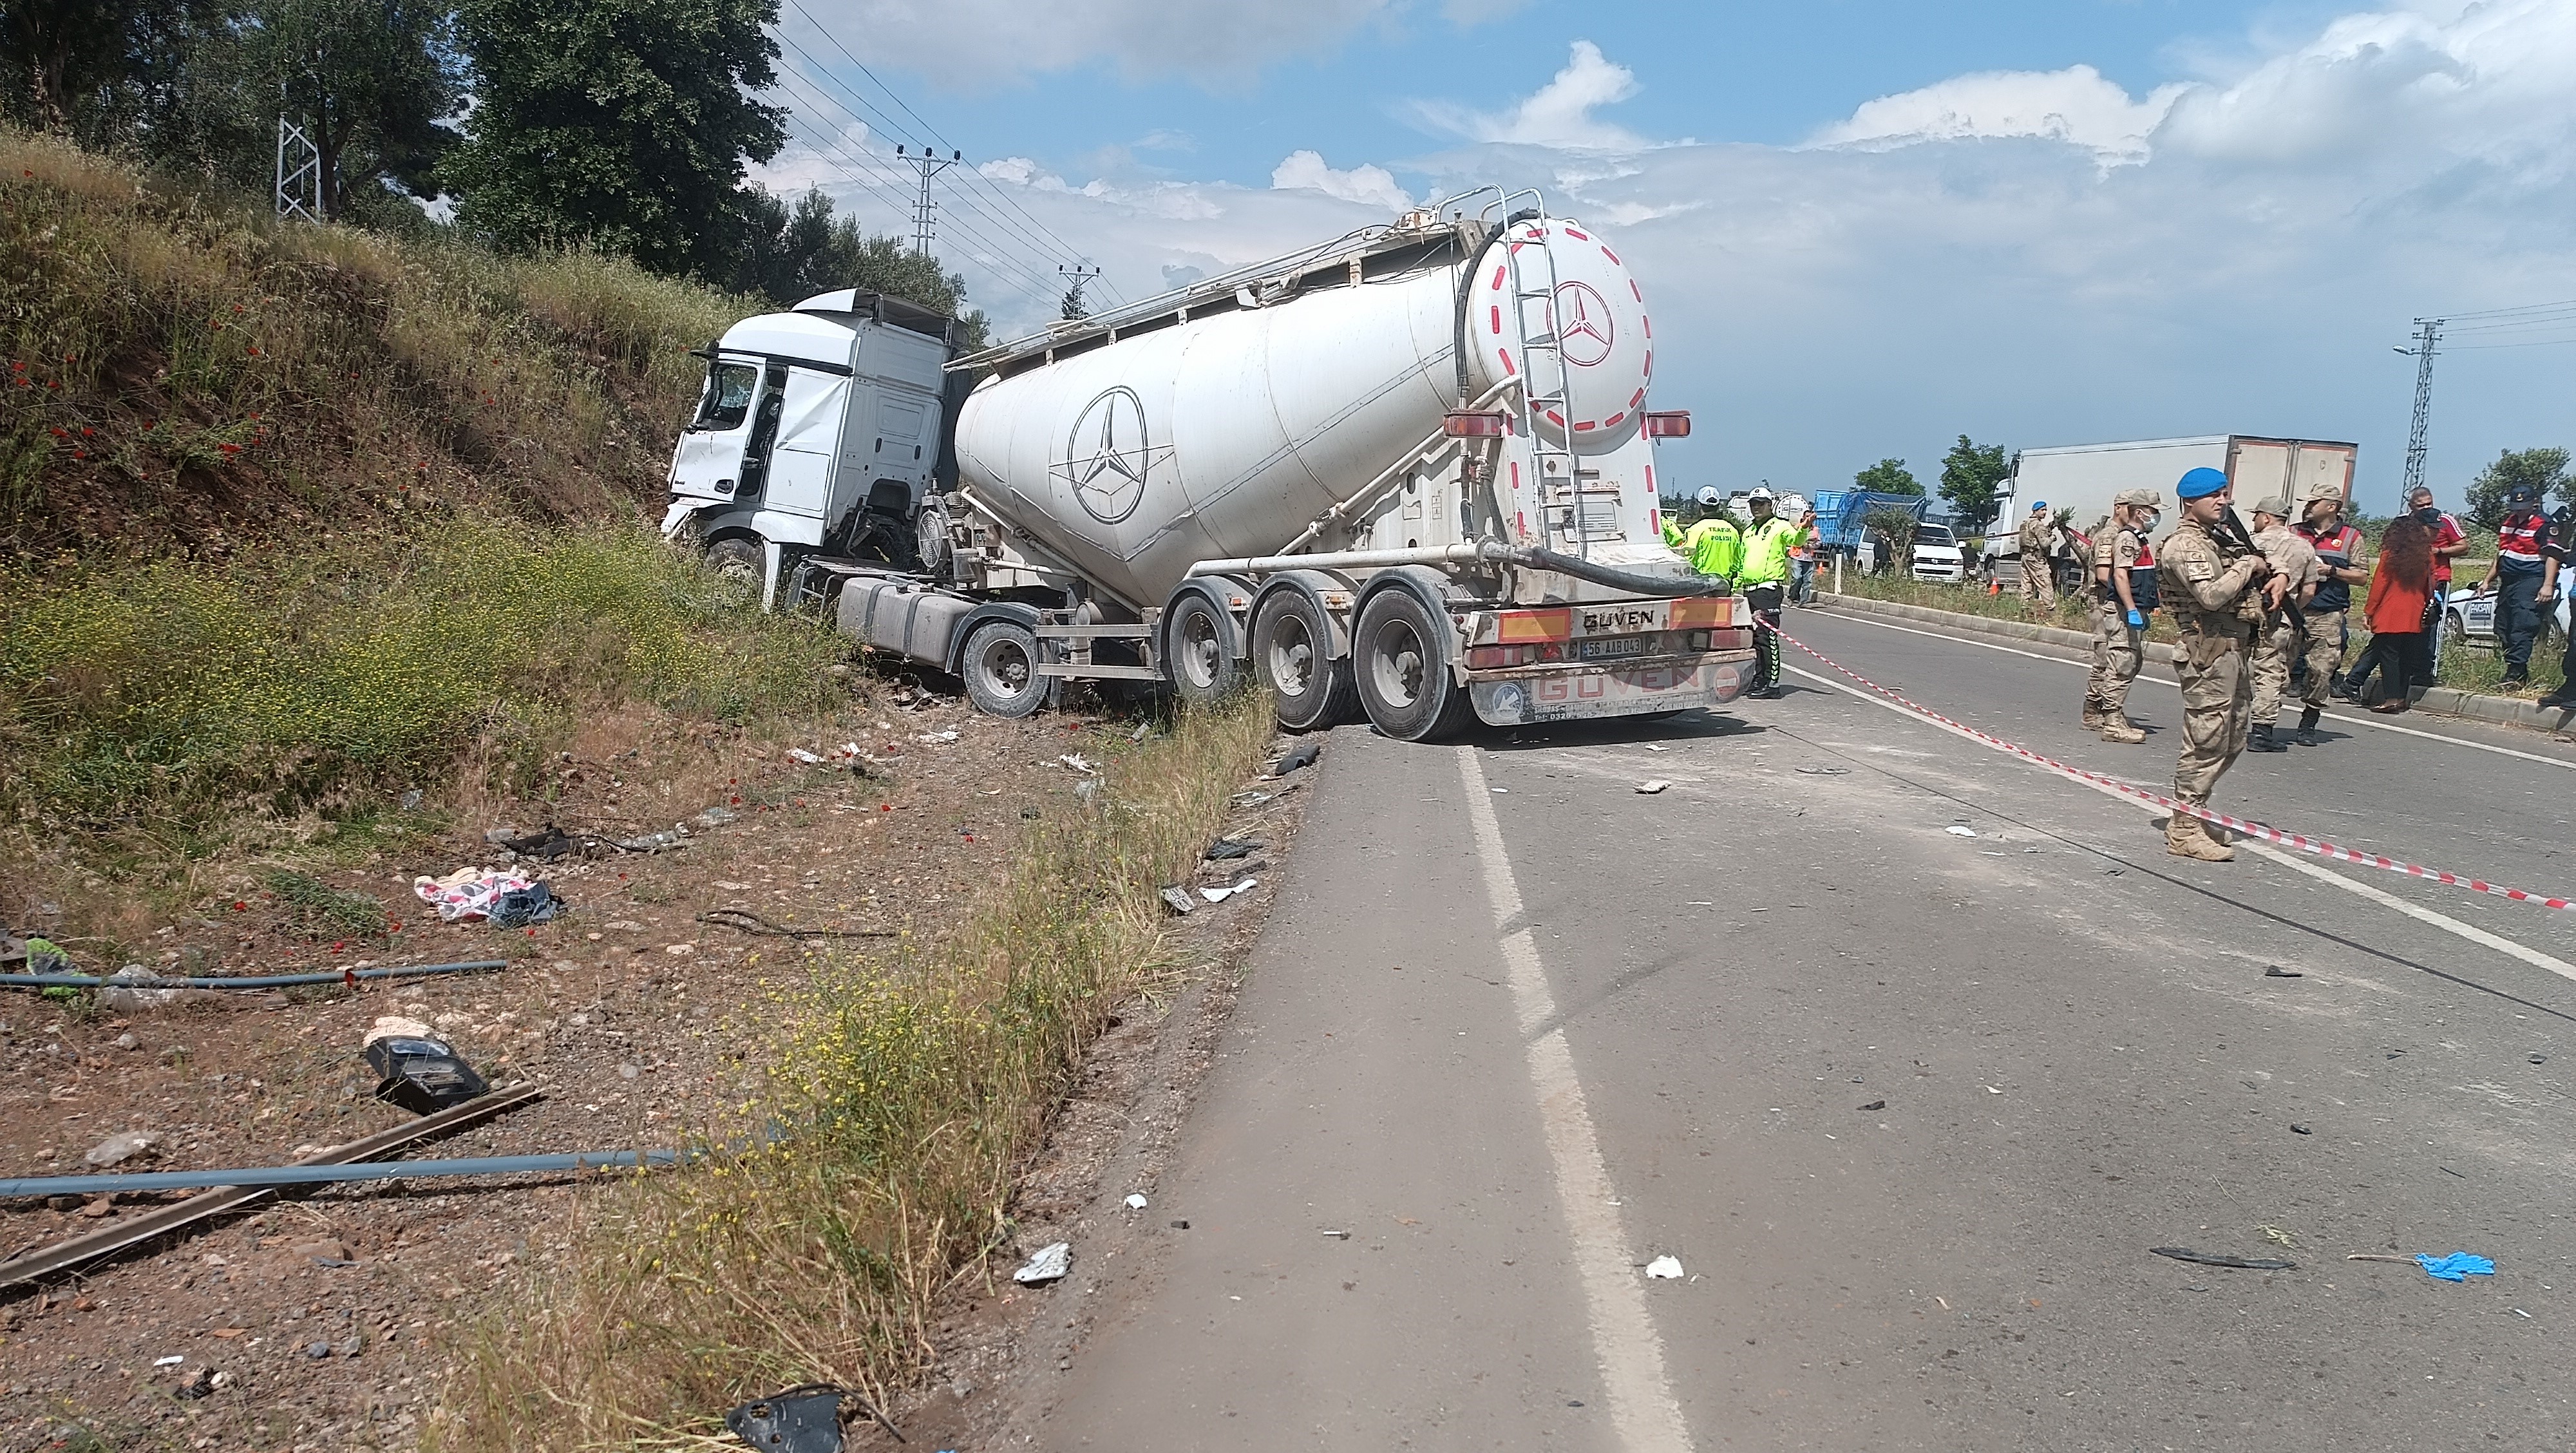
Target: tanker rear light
{"x":1472,"y":424}
{"x":1673,"y":425}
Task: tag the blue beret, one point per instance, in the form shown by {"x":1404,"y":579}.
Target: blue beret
{"x":2201,"y":483}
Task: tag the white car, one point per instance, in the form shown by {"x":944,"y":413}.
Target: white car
{"x":1937,"y":555}
{"x":2473,"y":618}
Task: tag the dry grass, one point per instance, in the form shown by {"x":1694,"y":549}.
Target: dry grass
{"x":909,"y":1088}
{"x":183,"y":373}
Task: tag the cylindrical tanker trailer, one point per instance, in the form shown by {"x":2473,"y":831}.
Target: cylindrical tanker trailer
{"x":1409,"y":472}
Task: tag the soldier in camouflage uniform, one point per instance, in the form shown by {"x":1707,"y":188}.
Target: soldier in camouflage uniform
{"x":2123,"y":593}
{"x":2276,"y":640}
{"x":2037,"y":537}
{"x":2218,"y":593}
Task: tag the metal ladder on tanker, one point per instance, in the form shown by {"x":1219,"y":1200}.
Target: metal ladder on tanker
{"x":1535,"y":405}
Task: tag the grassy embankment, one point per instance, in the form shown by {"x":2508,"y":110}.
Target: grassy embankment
{"x":912,"y":1087}
{"x":295,"y":520}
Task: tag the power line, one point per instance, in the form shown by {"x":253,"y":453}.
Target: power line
{"x":803,"y":87}
{"x":976,"y":175}
{"x":2519,"y":308}
{"x":878,"y":184}
{"x":2481,"y":347}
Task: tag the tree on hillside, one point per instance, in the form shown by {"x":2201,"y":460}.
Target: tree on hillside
{"x":1971,"y":475}
{"x":1888,"y":476}
{"x":370,"y":81}
{"x":792,"y":252}
{"x":624,"y":125}
{"x":98,"y":69}
{"x":2544,"y":470}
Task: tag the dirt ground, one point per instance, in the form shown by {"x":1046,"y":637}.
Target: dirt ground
{"x":319,"y":1320}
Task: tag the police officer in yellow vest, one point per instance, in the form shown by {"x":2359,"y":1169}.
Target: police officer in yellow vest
{"x":1711,"y":545}
{"x":1765,"y":579}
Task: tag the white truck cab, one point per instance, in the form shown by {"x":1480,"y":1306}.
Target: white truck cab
{"x":818,"y":431}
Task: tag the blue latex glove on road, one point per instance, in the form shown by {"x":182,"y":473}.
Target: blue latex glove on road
{"x":2137,"y":622}
{"x":2458,"y":1266}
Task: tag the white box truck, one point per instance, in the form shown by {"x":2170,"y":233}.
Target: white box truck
{"x":2077,"y":481}
{"x":1407,"y":474}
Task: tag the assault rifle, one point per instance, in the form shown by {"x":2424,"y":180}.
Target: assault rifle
{"x":2231,"y":529}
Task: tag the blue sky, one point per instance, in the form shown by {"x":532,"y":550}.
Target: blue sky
{"x":1877,"y":225}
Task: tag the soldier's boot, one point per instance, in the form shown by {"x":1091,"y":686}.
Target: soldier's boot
{"x":2188,"y":837}
{"x":2261,"y":739}
{"x":2308,"y":728}
{"x":2122,"y":730}
{"x":2092,"y":715}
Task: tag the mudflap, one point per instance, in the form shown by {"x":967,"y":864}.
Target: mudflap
{"x":1608,"y":691}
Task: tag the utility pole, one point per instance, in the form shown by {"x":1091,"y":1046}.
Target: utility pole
{"x":925,"y":212}
{"x":1077,"y":277}
{"x":2428,"y":333}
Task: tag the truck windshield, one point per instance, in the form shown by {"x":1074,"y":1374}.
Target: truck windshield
{"x":1934,"y":535}
{"x":728,"y":398}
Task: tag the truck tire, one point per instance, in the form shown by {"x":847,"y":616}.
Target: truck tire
{"x":1000,"y":665}
{"x":738,"y":564}
{"x":1402,"y":671}
{"x":1198,"y":650}
{"x":1290,"y":642}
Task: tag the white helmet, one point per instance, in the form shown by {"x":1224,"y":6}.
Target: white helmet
{"x":1760,"y":495}
{"x":1708,"y":495}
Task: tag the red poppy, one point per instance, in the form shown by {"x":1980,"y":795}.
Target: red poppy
{"x":238,"y":905}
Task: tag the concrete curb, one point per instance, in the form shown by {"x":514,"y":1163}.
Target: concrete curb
{"x":2504,"y":710}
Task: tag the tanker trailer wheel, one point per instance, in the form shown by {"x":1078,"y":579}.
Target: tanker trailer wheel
{"x":1403,"y":672}
{"x":738,"y":564}
{"x":1197,"y":637}
{"x":1290,"y":639}
{"x":1001,"y":670}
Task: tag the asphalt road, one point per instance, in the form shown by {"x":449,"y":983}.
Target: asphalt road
{"x":1909,"y":1107}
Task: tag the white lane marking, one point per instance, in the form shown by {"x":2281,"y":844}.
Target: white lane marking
{"x":1643,"y":1414}
{"x":2385,"y":726}
{"x":2471,"y":932}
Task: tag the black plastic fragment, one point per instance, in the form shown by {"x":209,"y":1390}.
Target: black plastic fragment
{"x":803,"y":1419}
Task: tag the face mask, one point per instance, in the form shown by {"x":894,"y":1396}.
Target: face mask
{"x":2146,"y":523}
{"x":2428,"y":514}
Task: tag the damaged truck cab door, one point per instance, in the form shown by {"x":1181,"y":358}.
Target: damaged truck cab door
{"x":715,"y":457}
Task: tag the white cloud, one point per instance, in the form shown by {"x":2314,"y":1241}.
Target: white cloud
{"x":980,"y":43}
{"x":2075,"y":105}
{"x":1373,"y":185}
{"x":1557,"y":115}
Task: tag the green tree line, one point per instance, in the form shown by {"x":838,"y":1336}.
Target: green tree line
{"x":622,"y":126}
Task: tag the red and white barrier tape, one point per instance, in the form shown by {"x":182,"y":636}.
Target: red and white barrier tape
{"x":2299,"y":841}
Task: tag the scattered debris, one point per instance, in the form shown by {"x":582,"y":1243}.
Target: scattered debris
{"x":1665,"y":1268}
{"x":1178,"y":900}
{"x":1955,"y":830}
{"x":1248,"y":799}
{"x":1135,"y":1201}
{"x":2241,"y":1263}
{"x":1086,"y":789}
{"x":467,"y":893}
{"x":716,"y":816}
{"x":120,"y":1148}
{"x":2299,"y":1127}
{"x":1337,"y":1236}
{"x":420,"y":1073}
{"x":1219,"y":895}
{"x":1226,"y":849}
{"x":933,"y":739}
{"x":799,"y":754}
{"x":2539,"y":1059}
{"x":1657,"y":747}
{"x":1297,"y":757}
{"x":1875,"y":1105}
{"x":2458,"y":1266}
{"x":746,"y":921}
{"x":1650,"y":788}
{"x":1825,"y":771}
{"x":2275,"y":971}
{"x":1077,"y":762}
{"x":1180,"y":1225}
{"x":800,"y":1420}
{"x":2278,"y":1237}
{"x":1050,"y":1264}
{"x":526,"y":907}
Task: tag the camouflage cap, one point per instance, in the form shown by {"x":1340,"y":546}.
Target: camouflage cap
{"x":2139,"y":498}
{"x":2274,"y":505}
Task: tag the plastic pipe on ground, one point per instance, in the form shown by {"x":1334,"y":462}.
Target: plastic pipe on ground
{"x":303,"y":1175}
{"x":264,"y":981}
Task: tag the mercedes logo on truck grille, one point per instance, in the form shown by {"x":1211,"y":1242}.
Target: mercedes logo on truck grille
{"x":1108,"y":454}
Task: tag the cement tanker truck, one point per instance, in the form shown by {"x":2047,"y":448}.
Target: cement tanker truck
{"x":1409,"y":473}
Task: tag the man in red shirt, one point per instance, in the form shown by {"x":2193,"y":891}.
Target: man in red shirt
{"x":2448,"y":540}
